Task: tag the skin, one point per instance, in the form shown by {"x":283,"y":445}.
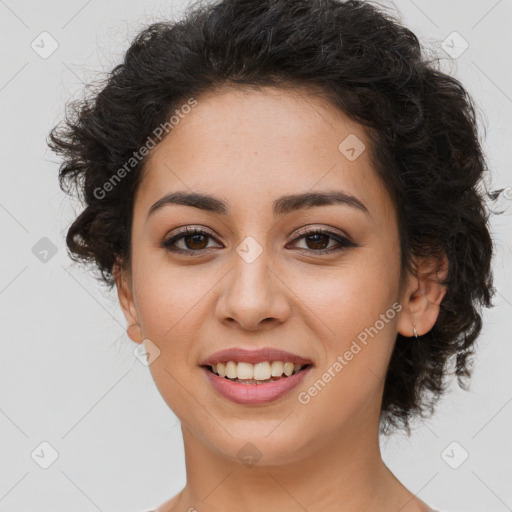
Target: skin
{"x":247,"y":148}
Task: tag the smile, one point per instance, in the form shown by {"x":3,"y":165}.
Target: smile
{"x":254,"y":384}
{"x":264,"y":371}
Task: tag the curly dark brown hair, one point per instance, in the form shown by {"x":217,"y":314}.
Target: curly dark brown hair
{"x":421,"y":123}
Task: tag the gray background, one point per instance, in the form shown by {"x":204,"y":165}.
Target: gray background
{"x":68,"y":373}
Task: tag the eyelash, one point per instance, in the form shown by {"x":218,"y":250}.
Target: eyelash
{"x":343,"y":242}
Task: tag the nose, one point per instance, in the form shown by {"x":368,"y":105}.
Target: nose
{"x":254,"y":296}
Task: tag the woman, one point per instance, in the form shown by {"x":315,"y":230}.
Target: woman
{"x":286,"y":196}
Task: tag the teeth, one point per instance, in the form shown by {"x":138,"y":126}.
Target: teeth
{"x":277,"y":368}
{"x":221,"y":369}
{"x":259,"y":371}
{"x":288,"y":369}
{"x":231,"y":372}
{"x":245,"y":371}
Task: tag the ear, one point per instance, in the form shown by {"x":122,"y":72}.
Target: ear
{"x":126,"y":301}
{"x":422,"y":296}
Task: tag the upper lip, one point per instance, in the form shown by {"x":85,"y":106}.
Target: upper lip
{"x":253,"y":356}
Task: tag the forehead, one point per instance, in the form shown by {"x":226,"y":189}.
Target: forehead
{"x":249,"y":146}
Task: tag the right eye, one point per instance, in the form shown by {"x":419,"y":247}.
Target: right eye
{"x":194,"y":239}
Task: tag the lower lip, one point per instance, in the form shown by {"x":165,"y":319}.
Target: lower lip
{"x":254,"y":394}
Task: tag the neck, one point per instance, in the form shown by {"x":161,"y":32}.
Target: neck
{"x":342,"y":471}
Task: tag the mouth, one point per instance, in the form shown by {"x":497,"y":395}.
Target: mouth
{"x":256,"y":376}
{"x":258,"y":373}
{"x":254,"y":384}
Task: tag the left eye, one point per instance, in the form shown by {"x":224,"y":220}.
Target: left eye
{"x":319,"y":237}
{"x":196,"y":240}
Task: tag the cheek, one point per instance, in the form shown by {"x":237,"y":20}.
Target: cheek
{"x":360,"y":334}
{"x":169,"y":297}
{"x":349,"y":297}
{"x":354,"y":310}
{"x":171,"y":302}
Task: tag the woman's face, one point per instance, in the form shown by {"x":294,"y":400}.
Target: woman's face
{"x":254,"y":278}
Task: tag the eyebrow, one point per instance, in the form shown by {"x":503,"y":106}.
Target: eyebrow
{"x":281,"y":206}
